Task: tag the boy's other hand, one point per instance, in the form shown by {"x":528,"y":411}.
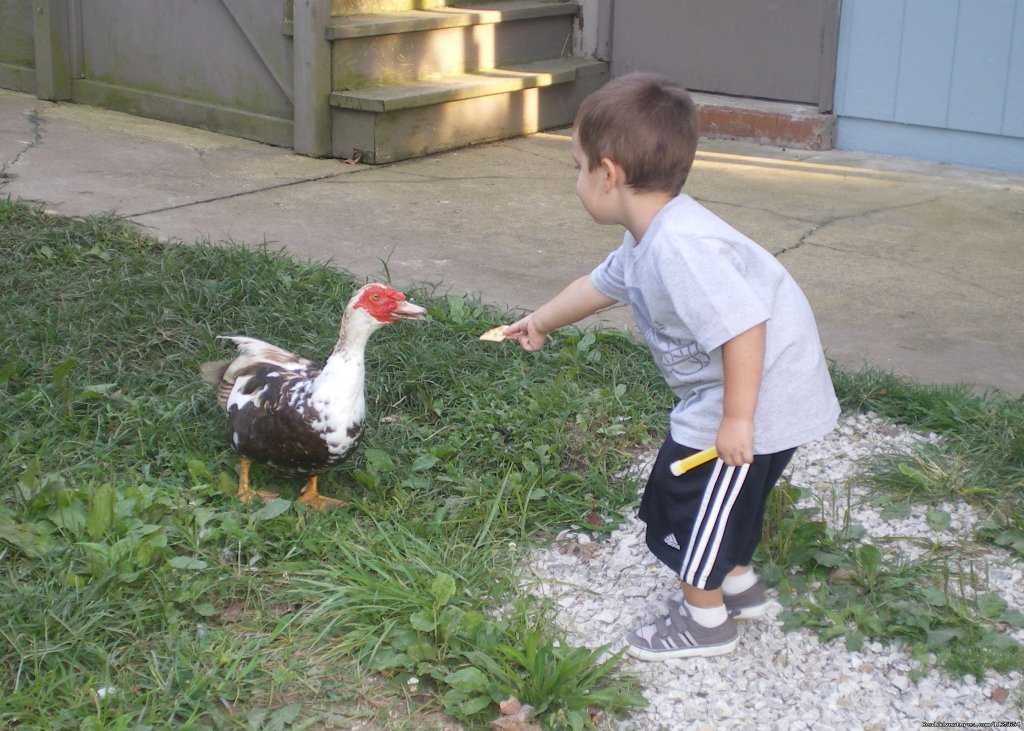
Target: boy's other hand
{"x":526,"y":334}
{"x":735,"y":441}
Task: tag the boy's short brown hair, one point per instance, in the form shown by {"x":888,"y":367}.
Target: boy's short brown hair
{"x":647,"y":124}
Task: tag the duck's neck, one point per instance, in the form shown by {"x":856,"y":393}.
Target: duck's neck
{"x":341,"y":382}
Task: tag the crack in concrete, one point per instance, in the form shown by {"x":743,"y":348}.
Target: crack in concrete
{"x":36,"y":123}
{"x":417,"y":178}
{"x":525,"y":149}
{"x":803,"y":240}
{"x":420,"y":178}
{"x":817,"y":226}
{"x":947,"y":275}
{"x":237,"y":194}
{"x":879,"y":257}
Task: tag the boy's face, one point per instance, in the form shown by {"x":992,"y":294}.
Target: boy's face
{"x":591,"y":185}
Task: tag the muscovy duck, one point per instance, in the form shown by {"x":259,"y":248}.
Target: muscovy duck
{"x":285,"y":412}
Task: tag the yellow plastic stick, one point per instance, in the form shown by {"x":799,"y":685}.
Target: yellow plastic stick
{"x":694,"y":460}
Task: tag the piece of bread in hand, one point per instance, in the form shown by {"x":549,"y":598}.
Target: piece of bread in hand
{"x":495,"y":334}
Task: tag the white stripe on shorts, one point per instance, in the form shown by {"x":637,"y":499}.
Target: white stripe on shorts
{"x":709,"y":527}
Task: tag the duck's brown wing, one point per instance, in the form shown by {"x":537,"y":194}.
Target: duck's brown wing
{"x":251,"y":352}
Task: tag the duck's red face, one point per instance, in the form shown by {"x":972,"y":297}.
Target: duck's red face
{"x":386,"y":304}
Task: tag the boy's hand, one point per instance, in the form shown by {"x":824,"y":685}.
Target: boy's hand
{"x":578,"y":300}
{"x":526,"y":334}
{"x":735,"y":441}
{"x":742,"y":361}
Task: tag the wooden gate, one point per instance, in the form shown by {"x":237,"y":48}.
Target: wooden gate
{"x":223,"y":63}
{"x":217,"y":64}
{"x":17,"y":46}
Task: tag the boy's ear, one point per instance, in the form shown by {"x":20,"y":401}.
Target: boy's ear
{"x":613,"y":172}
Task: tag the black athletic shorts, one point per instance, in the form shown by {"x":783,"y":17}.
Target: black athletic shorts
{"x":707,"y":521}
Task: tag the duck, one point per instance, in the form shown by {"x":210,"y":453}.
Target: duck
{"x":289,"y":414}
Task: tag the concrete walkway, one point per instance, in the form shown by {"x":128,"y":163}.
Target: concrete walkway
{"x":912,"y":267}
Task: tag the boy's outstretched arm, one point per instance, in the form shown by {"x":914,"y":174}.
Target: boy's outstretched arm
{"x":743,"y":362}
{"x":580,"y":299}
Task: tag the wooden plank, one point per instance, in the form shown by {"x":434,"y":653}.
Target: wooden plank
{"x":491,"y":82}
{"x":592,"y":37}
{"x":422,"y":130}
{"x":870,"y":37}
{"x":200,"y":54}
{"x":360,"y":26}
{"x":829,"y":54}
{"x":1013,"y":113}
{"x":52,"y":47}
{"x":240,"y":123}
{"x":981,"y":65}
{"x":926,"y":62}
{"x":17,"y":78}
{"x":312,"y":69}
{"x":266,"y":40}
{"x":17,"y":48}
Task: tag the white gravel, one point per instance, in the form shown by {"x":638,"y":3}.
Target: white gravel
{"x":778,"y":680}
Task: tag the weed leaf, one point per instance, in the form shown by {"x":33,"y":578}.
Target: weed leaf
{"x":938,"y":520}
{"x":34,"y":539}
{"x":101,"y":512}
{"x":468,"y":680}
{"x":422,"y":622}
{"x":443,"y":589}
{"x":424,"y":462}
{"x":273,"y":509}
{"x":188,"y":563}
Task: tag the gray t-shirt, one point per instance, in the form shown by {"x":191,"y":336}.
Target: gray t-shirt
{"x":693,"y":283}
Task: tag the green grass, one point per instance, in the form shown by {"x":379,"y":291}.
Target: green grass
{"x":938,"y":606}
{"x":138,"y":593}
{"x":128,"y":564}
{"x":980,"y":459}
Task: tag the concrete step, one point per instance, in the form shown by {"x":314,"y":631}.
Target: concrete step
{"x":376,"y":50}
{"x":781,"y":124}
{"x":386,"y":124}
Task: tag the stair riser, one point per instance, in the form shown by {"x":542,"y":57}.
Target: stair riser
{"x":408,"y":133}
{"x":358,"y":63}
{"x":361,"y":7}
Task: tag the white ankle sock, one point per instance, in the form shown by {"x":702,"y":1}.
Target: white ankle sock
{"x":707,"y":616}
{"x":739,"y":583}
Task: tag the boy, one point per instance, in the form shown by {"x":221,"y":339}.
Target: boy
{"x":733,"y":335}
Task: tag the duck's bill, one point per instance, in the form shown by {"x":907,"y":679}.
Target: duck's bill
{"x":408,"y":311}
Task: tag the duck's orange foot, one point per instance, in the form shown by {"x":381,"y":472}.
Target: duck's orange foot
{"x":314,"y":499}
{"x":246,"y":495}
{"x":320,"y":502}
{"x":245,"y":491}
